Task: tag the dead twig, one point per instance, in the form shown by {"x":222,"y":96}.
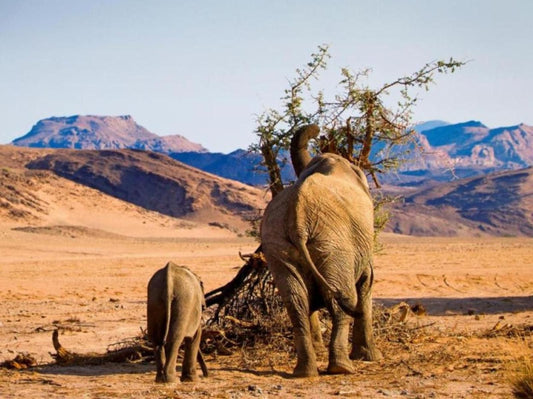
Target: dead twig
{"x":245,"y":324}
{"x":137,"y":352}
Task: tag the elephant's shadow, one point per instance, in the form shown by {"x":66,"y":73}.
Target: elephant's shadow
{"x":95,"y":370}
{"x":130,"y":368}
{"x":257,"y":373}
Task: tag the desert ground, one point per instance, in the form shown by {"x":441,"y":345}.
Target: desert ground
{"x":91,"y":284}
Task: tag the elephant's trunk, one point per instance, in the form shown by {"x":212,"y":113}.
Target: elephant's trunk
{"x":300,"y":156}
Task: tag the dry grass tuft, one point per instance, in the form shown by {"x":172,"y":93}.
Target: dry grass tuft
{"x":521,"y":371}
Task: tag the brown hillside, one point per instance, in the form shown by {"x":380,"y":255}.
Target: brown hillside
{"x":57,"y":182}
{"x":495,"y":204}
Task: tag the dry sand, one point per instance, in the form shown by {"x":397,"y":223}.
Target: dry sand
{"x":477,"y":293}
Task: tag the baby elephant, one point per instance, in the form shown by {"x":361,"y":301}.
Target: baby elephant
{"x":175,"y":304}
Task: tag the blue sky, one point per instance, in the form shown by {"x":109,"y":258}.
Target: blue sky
{"x":206,"y":69}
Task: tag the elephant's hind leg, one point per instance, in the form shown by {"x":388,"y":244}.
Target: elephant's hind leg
{"x":176,"y":336}
{"x":160,"y":360}
{"x":295,"y":296}
{"x":339,"y":361}
{"x":363,"y":346}
{"x":156,"y":327}
{"x":188,"y":369}
{"x":306,"y":365}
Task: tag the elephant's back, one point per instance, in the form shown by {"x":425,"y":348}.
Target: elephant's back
{"x":185,"y":285}
{"x":330,"y":195}
{"x":332,"y":212}
{"x":175,"y":282}
{"x":187,"y":299}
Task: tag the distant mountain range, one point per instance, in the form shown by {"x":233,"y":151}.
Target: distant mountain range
{"x":467,"y":179}
{"x":448,"y":151}
{"x":121,"y":132}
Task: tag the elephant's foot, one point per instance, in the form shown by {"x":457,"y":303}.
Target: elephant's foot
{"x":303,"y":371}
{"x":189,"y":378}
{"x":367,"y":353}
{"x":165,"y":378}
{"x":340,"y":368}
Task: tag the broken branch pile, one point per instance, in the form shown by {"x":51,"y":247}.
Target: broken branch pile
{"x":248,"y":309}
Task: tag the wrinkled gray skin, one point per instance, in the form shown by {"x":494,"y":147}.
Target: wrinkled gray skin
{"x":174,"y":313}
{"x":317,"y":237}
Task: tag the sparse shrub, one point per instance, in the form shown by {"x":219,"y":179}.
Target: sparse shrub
{"x":522,"y":383}
{"x":521,"y":373}
{"x":253,"y":231}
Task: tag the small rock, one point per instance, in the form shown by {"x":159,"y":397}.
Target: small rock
{"x":255,"y":388}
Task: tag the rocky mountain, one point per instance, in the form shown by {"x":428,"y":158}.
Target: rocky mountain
{"x":445,"y":152}
{"x":496,"y":204}
{"x":471,"y":148}
{"x":149,"y":180}
{"x":101,"y":132}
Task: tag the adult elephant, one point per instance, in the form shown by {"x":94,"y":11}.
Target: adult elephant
{"x":317,"y":236}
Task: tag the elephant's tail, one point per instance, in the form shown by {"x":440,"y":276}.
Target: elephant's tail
{"x":168,"y":290}
{"x":200,"y":359}
{"x":300,"y":156}
{"x":329,"y":292}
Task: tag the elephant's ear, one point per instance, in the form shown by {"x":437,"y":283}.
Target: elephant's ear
{"x":300,"y":156}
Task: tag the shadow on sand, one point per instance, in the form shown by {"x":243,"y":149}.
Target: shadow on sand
{"x":95,"y":370}
{"x":125,"y":368}
{"x":460,"y":306}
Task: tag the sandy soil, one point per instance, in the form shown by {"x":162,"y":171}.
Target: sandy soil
{"x":477,"y":294}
